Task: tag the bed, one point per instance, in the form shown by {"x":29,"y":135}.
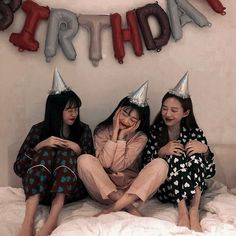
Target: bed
{"x":217,"y":211}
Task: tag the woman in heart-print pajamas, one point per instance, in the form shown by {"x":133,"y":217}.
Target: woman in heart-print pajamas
{"x":176,"y":138}
{"x":47,"y":160}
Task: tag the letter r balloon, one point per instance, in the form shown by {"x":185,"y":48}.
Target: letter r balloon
{"x":62,"y":28}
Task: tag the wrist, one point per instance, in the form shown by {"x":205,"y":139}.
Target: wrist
{"x":160,"y":154}
{"x":121,"y":136}
{"x":206,"y":153}
{"x":37,"y":147}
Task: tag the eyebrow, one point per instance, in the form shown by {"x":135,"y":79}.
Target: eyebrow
{"x":71,"y":107}
{"x":170,"y":107}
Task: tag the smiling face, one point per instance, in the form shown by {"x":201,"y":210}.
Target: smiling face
{"x":70,"y":113}
{"x":128,"y":117}
{"x":172,"y":112}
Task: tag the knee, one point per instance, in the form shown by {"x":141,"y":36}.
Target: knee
{"x":47,"y":150}
{"x":85,"y":162}
{"x":63,"y":151}
{"x":160,"y":166}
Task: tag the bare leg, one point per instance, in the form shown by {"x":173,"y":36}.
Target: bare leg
{"x":117,"y":206}
{"x":183,"y":219}
{"x":30,"y":210}
{"x":194,"y":211}
{"x":51,"y":222}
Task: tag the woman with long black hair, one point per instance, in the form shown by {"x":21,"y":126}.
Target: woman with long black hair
{"x":47,"y":160}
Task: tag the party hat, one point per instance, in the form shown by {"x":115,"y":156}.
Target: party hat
{"x":139,"y":97}
{"x":58,"y":85}
{"x":181,"y":89}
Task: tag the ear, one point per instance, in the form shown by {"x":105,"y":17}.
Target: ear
{"x":186,"y":113}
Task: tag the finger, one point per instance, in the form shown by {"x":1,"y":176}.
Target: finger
{"x":118,"y":111}
{"x":189,"y":145}
{"x":63,"y":141}
{"x":59,"y":139}
{"x":175,"y":141}
{"x":60,"y":143}
{"x":116,"y":114}
{"x":178,"y":146}
{"x":191,"y":152}
{"x":176,"y":153}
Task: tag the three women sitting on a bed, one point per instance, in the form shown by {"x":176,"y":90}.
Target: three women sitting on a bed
{"x":47,"y":160}
{"x":175,"y":139}
{"x":177,"y":159}
{"x":119,"y":142}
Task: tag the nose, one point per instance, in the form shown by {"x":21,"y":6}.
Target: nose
{"x":74,"y":113}
{"x":126,"y":121}
{"x":168,"y":113}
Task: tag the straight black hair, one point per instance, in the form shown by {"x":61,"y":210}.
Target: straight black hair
{"x":189,"y":121}
{"x":144,"y":116}
{"x":53,"y":119}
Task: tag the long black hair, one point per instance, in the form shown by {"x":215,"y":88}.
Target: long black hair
{"x":53,"y":119}
{"x":189,"y":121}
{"x":143,"y":112}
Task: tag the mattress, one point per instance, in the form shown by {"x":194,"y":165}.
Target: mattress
{"x":217,"y":212}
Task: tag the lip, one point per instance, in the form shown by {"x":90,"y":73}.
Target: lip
{"x":168,"y":120}
{"x":123,"y":126}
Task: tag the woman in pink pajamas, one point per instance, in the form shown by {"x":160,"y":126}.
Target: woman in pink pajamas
{"x":119,"y":141}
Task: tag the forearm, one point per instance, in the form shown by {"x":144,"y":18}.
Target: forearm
{"x":127,"y":153}
{"x":23,"y":162}
{"x":106,"y":153}
{"x":161,"y":153}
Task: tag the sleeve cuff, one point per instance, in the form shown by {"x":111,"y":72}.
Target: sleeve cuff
{"x":208,"y":156}
{"x":121,"y":143}
{"x":30,"y":153}
{"x":111,"y":145}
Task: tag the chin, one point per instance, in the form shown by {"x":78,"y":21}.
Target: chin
{"x":169,"y":123}
{"x":70,"y":123}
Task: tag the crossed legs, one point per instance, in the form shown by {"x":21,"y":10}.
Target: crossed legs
{"x":145,"y":185}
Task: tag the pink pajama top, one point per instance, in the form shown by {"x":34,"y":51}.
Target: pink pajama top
{"x":122,"y":159}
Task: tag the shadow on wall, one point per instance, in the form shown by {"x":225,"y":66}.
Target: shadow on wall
{"x":225,"y":159}
{"x":13,"y":179}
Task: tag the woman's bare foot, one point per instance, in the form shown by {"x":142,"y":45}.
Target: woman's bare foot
{"x":103,"y":212}
{"x":46,"y":230}
{"x":183,"y":219}
{"x":194,"y":220}
{"x":134,"y":211}
{"x":26,"y":230}
{"x":131,"y":209}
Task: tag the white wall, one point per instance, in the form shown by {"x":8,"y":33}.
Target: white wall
{"x":207,"y":53}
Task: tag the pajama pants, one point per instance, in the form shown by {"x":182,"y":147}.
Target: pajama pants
{"x":54,"y":171}
{"x":185,"y":174}
{"x":99,"y":184}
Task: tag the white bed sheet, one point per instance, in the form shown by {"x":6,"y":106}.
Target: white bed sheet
{"x":218,"y":216}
